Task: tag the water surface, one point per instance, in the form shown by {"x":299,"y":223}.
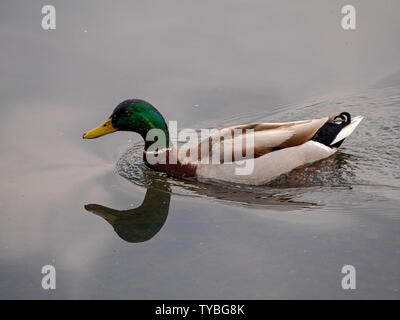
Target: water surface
{"x":115,"y":229}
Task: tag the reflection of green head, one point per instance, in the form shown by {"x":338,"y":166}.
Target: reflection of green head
{"x":139,"y":224}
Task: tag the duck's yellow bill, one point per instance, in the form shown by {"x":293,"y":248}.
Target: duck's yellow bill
{"x":104,"y":129}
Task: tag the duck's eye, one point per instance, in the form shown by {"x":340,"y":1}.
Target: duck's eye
{"x":128,"y":113}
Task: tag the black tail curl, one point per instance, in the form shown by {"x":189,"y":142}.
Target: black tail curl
{"x":328,"y":132}
{"x":346,"y":118}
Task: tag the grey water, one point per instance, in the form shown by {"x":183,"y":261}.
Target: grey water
{"x":114,"y":229}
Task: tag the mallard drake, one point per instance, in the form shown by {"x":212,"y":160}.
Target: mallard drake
{"x":277,"y":148}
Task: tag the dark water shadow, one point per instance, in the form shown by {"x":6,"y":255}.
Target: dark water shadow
{"x":278,"y":200}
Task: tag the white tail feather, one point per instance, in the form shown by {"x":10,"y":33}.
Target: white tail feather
{"x":347,"y":130}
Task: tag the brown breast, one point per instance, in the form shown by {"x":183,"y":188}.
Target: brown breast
{"x":178,"y":170}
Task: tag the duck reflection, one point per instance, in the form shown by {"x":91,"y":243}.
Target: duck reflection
{"x":144,"y":222}
{"x":139,"y":224}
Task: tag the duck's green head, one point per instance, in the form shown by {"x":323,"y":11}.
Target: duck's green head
{"x":132,"y":115}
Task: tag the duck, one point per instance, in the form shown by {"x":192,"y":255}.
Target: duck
{"x":259,"y":152}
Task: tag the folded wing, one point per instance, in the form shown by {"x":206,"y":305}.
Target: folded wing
{"x":232,"y":142}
